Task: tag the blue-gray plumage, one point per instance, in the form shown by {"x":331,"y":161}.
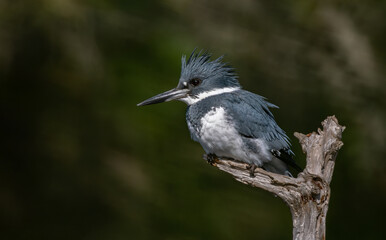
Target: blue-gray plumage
{"x":226,"y":120}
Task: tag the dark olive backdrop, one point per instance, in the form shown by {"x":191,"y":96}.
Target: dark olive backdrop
{"x":79,"y":160}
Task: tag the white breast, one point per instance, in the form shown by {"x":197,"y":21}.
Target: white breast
{"x":218,"y":136}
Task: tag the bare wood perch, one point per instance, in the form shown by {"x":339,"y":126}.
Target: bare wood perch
{"x":307,"y":195}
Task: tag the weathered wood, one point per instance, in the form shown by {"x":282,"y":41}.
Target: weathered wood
{"x":307,"y":195}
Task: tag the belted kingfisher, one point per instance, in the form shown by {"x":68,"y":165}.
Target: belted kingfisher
{"x":226,"y":120}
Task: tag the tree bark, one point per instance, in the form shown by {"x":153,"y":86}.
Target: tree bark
{"x":307,"y":195}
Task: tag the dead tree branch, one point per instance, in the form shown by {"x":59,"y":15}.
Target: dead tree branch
{"x":307,"y":195}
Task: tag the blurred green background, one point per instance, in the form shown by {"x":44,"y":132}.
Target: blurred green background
{"x":79,"y":160}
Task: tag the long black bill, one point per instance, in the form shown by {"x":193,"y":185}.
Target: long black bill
{"x":165,"y":97}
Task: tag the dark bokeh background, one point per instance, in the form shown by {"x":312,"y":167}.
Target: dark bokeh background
{"x":79,"y":160}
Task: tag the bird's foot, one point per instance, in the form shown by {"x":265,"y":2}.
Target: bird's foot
{"x":211,"y":158}
{"x":252,"y":168}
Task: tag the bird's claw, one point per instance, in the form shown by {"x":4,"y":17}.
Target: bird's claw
{"x":252,"y":168}
{"x":211,"y":158}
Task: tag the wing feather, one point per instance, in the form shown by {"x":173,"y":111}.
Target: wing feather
{"x":255,"y":120}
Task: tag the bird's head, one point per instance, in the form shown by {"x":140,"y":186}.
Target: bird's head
{"x":200,"y":78}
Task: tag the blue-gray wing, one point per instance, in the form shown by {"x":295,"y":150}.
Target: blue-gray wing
{"x":255,"y":120}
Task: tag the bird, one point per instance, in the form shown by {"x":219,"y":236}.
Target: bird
{"x":228,"y":121}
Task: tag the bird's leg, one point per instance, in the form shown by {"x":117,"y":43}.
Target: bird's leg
{"x":211,"y":158}
{"x":252,"y":168}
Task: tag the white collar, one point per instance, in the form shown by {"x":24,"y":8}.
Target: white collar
{"x":192,"y":100}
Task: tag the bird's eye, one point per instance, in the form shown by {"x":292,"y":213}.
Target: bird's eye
{"x":195,"y":82}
